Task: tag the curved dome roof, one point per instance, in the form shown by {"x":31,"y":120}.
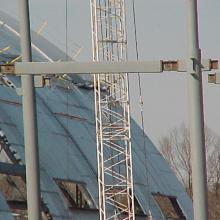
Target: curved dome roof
{"x":67,"y":141}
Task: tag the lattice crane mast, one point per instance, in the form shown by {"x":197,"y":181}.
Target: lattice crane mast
{"x":115,"y":180}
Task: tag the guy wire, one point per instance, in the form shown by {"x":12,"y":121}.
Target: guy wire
{"x":141,"y":108}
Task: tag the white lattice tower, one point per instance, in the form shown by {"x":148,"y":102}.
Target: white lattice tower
{"x":115,"y":180}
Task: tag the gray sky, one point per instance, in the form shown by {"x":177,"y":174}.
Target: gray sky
{"x":161,"y":35}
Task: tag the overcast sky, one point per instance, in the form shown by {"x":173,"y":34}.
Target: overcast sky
{"x":161,"y":26}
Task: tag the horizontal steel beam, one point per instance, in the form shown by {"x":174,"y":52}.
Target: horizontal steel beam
{"x":39,"y":68}
{"x":88,"y":67}
{"x":12,"y":169}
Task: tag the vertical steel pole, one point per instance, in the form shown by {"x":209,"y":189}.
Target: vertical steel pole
{"x":29,"y":118}
{"x":196,"y":117}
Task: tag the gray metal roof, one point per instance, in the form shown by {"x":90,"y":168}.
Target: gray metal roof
{"x":4,"y":209}
{"x":68,"y":143}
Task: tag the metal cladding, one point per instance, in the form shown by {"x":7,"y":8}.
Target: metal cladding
{"x":67,"y":140}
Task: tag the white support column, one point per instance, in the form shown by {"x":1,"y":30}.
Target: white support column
{"x":30,"y":122}
{"x":196,"y":118}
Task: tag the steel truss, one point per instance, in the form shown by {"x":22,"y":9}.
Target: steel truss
{"x":115,"y":180}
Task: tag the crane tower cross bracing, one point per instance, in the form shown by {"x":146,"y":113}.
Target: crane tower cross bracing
{"x":115,"y":179}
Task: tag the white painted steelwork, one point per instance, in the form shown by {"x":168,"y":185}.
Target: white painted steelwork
{"x":82,"y":145}
{"x":29,"y":120}
{"x":115,"y":179}
{"x":60,"y":68}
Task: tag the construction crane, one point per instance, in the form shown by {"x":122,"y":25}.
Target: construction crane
{"x":115,"y":179}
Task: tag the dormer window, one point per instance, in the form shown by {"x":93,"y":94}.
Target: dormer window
{"x":75,"y":194}
{"x":169,"y":207}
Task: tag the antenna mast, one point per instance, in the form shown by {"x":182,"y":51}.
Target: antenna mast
{"x":115,"y":179}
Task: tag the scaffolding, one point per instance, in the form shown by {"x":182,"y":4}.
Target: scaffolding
{"x":115,"y":180}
